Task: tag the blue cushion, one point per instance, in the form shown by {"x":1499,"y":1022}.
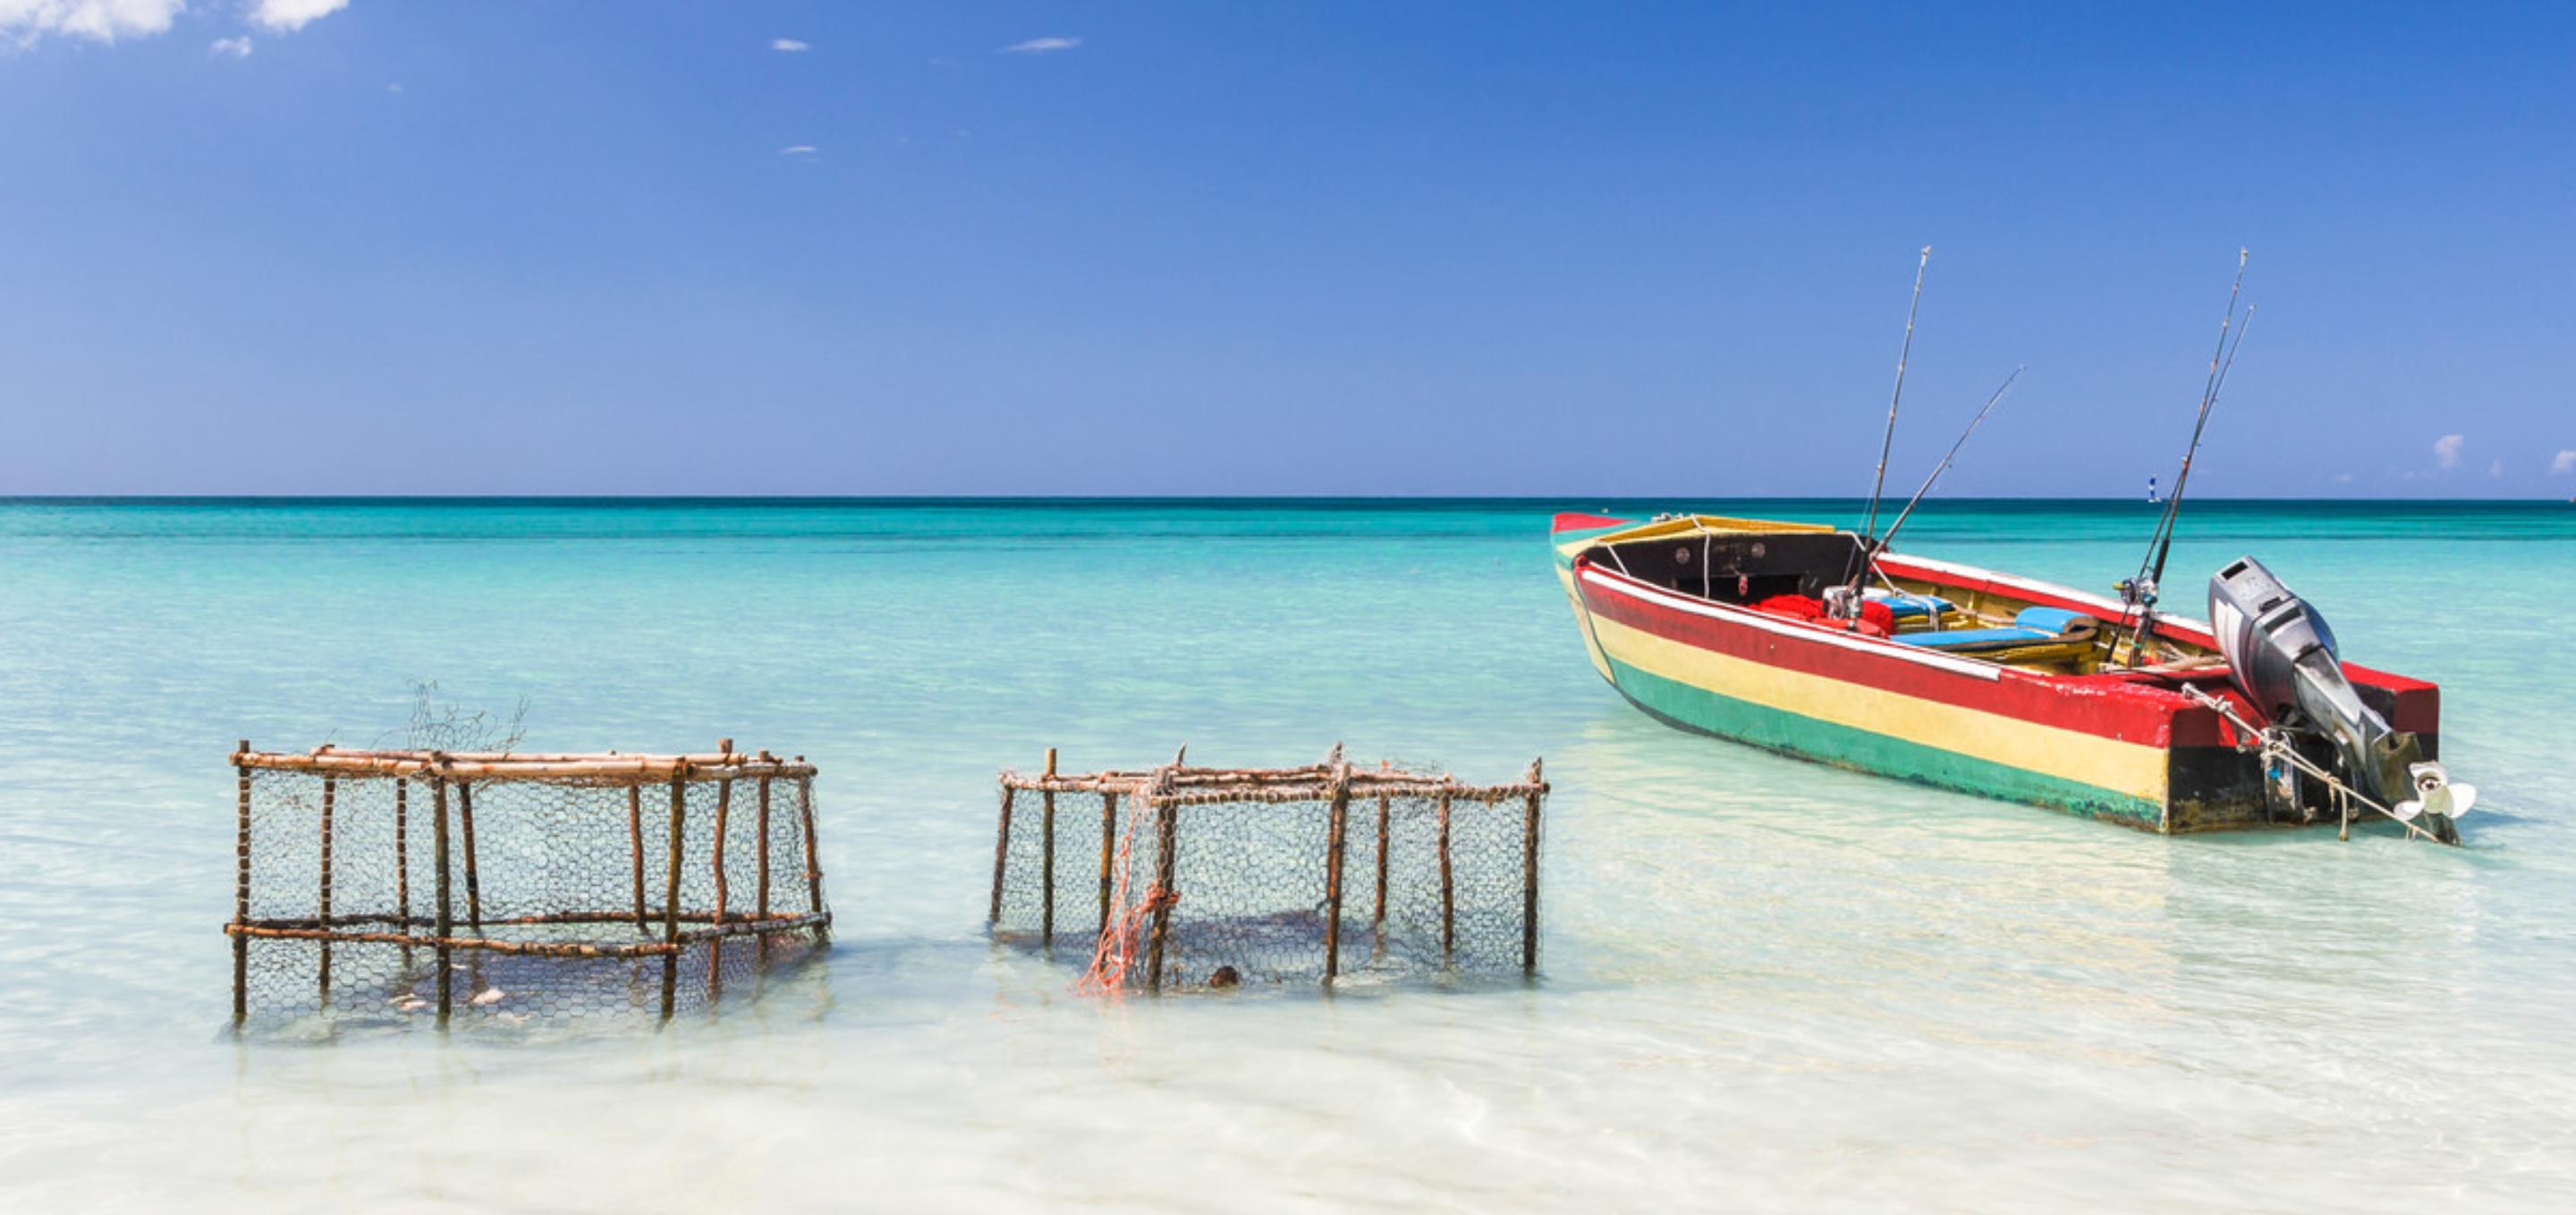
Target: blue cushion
{"x":1955,"y":639}
{"x":1907,"y":607}
{"x":2051,"y":620}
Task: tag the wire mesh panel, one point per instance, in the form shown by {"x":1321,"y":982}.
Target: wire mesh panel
{"x":410,"y":884}
{"x":1184,"y":877}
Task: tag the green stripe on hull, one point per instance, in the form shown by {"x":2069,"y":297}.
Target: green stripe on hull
{"x":1697,"y":709}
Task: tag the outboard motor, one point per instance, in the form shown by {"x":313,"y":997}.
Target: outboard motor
{"x":2283,"y":658}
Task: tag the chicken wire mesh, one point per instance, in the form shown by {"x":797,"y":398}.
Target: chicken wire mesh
{"x":1190,"y":878}
{"x":403,"y":885}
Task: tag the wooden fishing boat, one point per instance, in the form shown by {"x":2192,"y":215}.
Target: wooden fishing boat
{"x":1971,"y":679}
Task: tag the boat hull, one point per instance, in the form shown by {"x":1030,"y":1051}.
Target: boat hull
{"x":2102,"y":746}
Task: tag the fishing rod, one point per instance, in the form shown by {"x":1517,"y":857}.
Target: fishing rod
{"x":2140,"y":592}
{"x":1880,"y":544}
{"x":2183,"y":476}
{"x":1904,"y":352}
{"x":1887,"y":439}
{"x":2208,"y":397}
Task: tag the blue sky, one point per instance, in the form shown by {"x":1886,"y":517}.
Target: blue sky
{"x":299,"y":246}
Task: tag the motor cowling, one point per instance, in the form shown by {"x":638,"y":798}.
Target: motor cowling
{"x":2283,"y":657}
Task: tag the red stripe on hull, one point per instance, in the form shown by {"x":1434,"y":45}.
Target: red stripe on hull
{"x":2104,"y":706}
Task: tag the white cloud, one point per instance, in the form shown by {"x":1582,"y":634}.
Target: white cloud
{"x":2495,"y":468}
{"x":238,"y":48}
{"x":797,"y":149}
{"x":2446,"y":449}
{"x":2564,"y":464}
{"x":1040,"y":46}
{"x":105,"y":20}
{"x":24,"y":21}
{"x":788,"y":44}
{"x":289,"y":15}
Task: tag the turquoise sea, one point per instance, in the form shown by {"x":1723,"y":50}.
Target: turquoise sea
{"x":1767,"y":985}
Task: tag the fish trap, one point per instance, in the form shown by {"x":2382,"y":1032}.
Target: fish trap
{"x":424,"y":884}
{"x":1189,"y":878}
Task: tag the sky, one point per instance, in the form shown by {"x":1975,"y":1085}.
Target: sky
{"x":475,"y":247}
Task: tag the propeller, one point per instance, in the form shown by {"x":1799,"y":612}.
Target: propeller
{"x":2435,"y":794}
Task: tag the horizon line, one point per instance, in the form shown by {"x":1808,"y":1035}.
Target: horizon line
{"x":109,"y":499}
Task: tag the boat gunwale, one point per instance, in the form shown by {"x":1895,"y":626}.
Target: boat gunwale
{"x":2185,"y":629}
{"x":1639,"y":588}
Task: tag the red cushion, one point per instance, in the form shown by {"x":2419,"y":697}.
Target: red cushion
{"x":1876,"y":619}
{"x":1796,"y":607}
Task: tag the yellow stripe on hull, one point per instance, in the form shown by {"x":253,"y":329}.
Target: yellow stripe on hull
{"x":2129,"y":769}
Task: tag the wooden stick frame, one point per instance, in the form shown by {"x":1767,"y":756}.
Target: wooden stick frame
{"x":1153,"y":799}
{"x":1164,"y":892}
{"x":323,"y":900}
{"x":610,"y":767}
{"x":813,"y":859}
{"x":658,"y":931}
{"x":1337,"y":843}
{"x":446,"y":940}
{"x":241,"y":893}
{"x":1046,"y":858}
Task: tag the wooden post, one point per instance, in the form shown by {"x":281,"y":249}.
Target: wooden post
{"x":1383,"y":805}
{"x":446,"y":907}
{"x":1338,"y":838}
{"x":1166,"y":855}
{"x":330,"y":791}
{"x":1529,"y":877}
{"x":724,"y":810}
{"x":1001,"y":857}
{"x":671,"y":895}
{"x":402,"y":861}
{"x":1046,"y":859}
{"x":760,"y":897}
{"x":1108,"y":851}
{"x":473,"y":885}
{"x":1448,"y":885}
{"x":813,"y":861}
{"x":241,"y":887}
{"x":635,"y":845}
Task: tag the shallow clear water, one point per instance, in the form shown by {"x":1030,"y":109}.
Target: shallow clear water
{"x":1768,"y":984}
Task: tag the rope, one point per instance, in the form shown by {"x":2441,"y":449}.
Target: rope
{"x":2275,"y":745}
{"x":1122,"y":937}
